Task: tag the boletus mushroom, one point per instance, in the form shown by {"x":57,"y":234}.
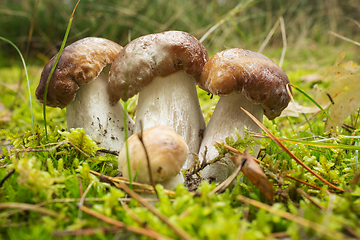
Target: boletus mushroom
{"x":162,"y":68}
{"x":79,"y":83}
{"x":166,"y":151}
{"x":241,"y":78}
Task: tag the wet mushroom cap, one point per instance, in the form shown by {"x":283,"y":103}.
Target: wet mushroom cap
{"x":252,"y":74}
{"x":80,"y":63}
{"x":147,"y":57}
{"x":166,"y":150}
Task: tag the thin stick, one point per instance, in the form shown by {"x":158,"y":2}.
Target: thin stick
{"x":82,"y":199}
{"x":147,"y":159}
{"x":289,"y":152}
{"x":180,"y":232}
{"x":132,"y":214}
{"x":116,"y":153}
{"x":86,"y":231}
{"x":344,"y":38}
{"x":308,"y":197}
{"x":117,"y":180}
{"x":26,"y":206}
{"x":117,"y":223}
{"x":6,"y":177}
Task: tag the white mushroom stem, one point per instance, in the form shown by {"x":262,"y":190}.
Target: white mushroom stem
{"x":92,"y":111}
{"x":226,"y":117}
{"x":172,"y":101}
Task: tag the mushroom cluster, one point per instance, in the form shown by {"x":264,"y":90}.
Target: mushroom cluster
{"x":163,"y":69}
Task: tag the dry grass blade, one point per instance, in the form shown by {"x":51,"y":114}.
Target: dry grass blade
{"x":6,"y":177}
{"x":30,"y":207}
{"x":138,"y":187}
{"x":142,"y":231}
{"x":301,"y":221}
{"x":267,"y":165}
{"x":180,"y":232}
{"x":86,"y":231}
{"x":344,"y":38}
{"x":308,"y":197}
{"x":34,"y":149}
{"x":289,"y":152}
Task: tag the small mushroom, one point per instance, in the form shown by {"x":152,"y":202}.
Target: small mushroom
{"x":245,"y":79}
{"x":166,"y":151}
{"x":79,"y":84}
{"x":162,"y":68}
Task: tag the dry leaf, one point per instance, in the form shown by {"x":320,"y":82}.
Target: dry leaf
{"x":293,"y":110}
{"x":253,"y":172}
{"x":343,"y":91}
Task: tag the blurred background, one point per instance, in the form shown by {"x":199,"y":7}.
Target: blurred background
{"x":37,"y":27}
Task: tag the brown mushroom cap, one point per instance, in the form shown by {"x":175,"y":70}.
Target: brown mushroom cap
{"x":166,"y":150}
{"x":252,"y":74}
{"x":80,"y":63}
{"x":160,"y":54}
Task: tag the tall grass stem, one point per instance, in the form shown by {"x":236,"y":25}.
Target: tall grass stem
{"x":27,"y":79}
{"x":54,"y":66}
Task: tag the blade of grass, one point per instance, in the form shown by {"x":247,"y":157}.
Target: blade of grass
{"x":238,"y":8}
{"x":54,"y":66}
{"x":277,"y":141}
{"x":313,"y":101}
{"x":125,"y":128}
{"x":27,"y":79}
{"x":323,"y":145}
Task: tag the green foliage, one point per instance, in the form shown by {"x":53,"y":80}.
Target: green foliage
{"x":240,"y":144}
{"x":32,"y":178}
{"x":52,"y":174}
{"x":84,"y":142}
